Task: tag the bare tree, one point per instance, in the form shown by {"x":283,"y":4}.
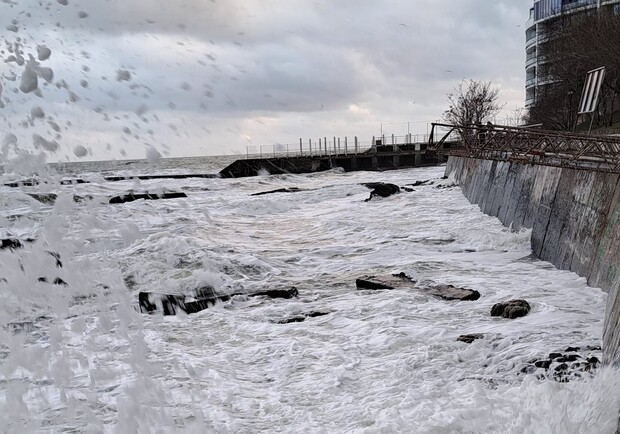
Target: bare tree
{"x":472,"y":103}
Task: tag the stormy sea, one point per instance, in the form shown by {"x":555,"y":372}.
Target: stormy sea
{"x":78,"y":355}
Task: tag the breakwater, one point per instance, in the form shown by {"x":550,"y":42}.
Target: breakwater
{"x":574,"y":216}
{"x":378,"y":157}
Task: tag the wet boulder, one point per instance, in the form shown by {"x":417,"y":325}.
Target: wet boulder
{"x":511,"y":309}
{"x":302,"y":318}
{"x":564,"y":367}
{"x":401,"y":280}
{"x":73,"y":181}
{"x":201,"y":299}
{"x":468,"y":339}
{"x":130,"y":197}
{"x":14,"y":243}
{"x":23,"y":183}
{"x":450,"y":292}
{"x":274,"y":293}
{"x":10,"y":243}
{"x":46,"y":198}
{"x":382,"y":189}
{"x":56,"y":281}
{"x":388,"y":281}
{"x":50,"y":198}
{"x":279,"y":190}
{"x":419,"y":183}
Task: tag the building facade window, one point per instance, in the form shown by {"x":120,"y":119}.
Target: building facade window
{"x":546,"y":8}
{"x":544,"y":15}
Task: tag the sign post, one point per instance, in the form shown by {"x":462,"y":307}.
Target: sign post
{"x":591,"y":92}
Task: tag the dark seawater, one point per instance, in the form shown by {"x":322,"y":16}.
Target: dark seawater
{"x":182,"y":165}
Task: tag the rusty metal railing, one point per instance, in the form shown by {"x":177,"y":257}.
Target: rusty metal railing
{"x":531,"y":146}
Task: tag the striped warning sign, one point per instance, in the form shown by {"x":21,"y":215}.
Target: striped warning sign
{"x":591,"y":90}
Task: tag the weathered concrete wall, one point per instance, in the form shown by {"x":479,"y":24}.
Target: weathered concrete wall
{"x":574,"y":216}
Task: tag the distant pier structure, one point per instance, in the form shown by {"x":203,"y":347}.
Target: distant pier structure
{"x":382,"y":153}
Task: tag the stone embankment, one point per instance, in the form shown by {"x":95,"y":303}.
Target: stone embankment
{"x":574,"y":216}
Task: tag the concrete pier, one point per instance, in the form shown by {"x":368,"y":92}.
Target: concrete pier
{"x":384,"y":157}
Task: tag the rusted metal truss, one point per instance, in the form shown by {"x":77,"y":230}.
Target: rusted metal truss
{"x":530,"y":146}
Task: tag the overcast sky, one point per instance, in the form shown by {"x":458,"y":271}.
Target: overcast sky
{"x":210,"y":77}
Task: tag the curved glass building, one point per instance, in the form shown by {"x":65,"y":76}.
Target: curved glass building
{"x":542,"y":13}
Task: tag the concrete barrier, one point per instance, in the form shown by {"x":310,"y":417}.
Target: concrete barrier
{"x":574,"y":216}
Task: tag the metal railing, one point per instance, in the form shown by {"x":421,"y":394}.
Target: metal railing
{"x":344,"y":146}
{"x":531,"y":146}
{"x":333,"y":146}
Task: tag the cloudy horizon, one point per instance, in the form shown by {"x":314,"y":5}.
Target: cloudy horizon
{"x":191,"y":78}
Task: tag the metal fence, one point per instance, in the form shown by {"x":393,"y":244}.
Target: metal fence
{"x":531,"y":146}
{"x":390,"y":134}
{"x":331,"y":146}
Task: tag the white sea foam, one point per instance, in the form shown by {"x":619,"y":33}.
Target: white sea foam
{"x":380,"y":361}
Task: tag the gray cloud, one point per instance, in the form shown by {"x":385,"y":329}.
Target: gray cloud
{"x":258,"y":70}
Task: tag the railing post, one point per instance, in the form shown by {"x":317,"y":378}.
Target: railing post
{"x":320,"y":147}
{"x":301,"y":147}
{"x":373,"y":143}
{"x":355,"y":140}
{"x":345,"y":146}
{"x":338,"y":145}
{"x":382,"y":139}
{"x":393,"y":143}
{"x":310,"y":146}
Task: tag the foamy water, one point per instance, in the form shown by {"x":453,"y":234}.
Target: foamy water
{"x":379,"y":361}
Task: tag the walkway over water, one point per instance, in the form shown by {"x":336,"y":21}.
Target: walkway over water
{"x":400,"y":153}
{"x":530,"y":146}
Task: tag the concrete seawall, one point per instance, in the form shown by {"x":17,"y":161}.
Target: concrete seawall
{"x":574,"y":216}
